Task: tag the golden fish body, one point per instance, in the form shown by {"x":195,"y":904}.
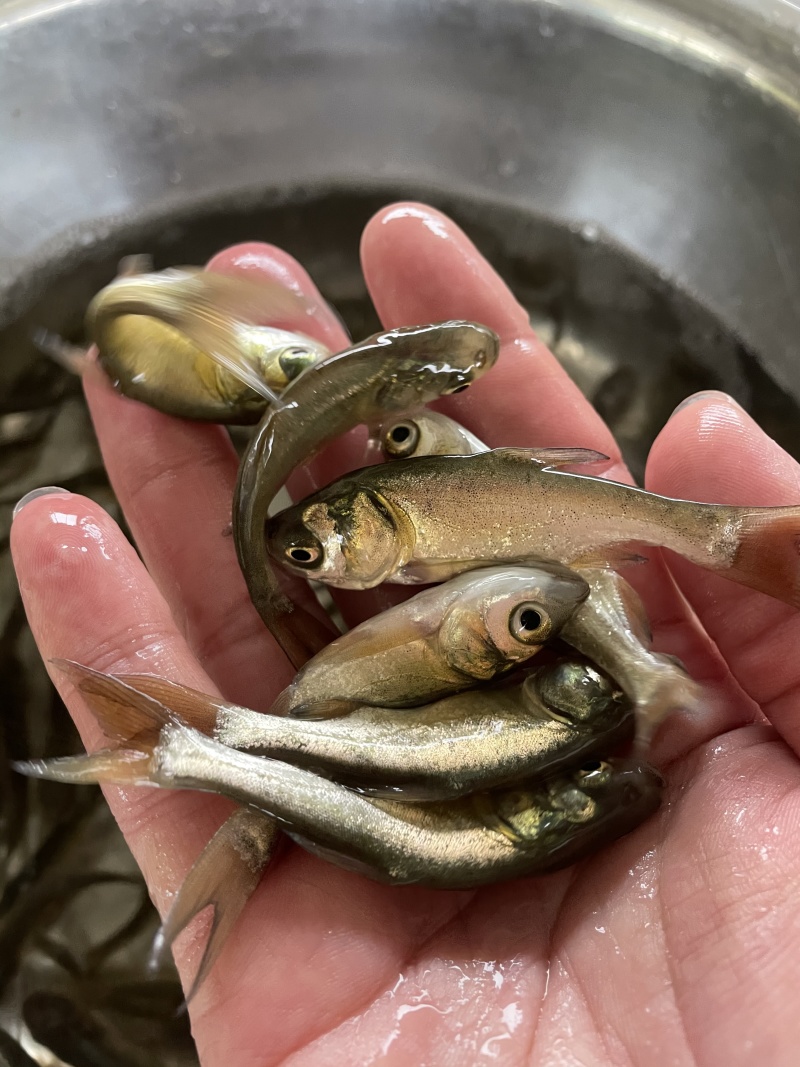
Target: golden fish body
{"x":389,"y":373}
{"x":160,"y":338}
{"x":467,"y":631}
{"x":426,"y":519}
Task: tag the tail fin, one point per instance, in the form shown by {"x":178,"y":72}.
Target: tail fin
{"x":671,"y":690}
{"x":132,"y":708}
{"x":223,"y":877}
{"x":193,"y":708}
{"x":124,"y":714}
{"x":117,"y":766}
{"x":768,"y":556}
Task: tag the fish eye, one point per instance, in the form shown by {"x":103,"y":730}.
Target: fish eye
{"x":401,"y":439}
{"x":529,"y":624}
{"x":303,"y":556}
{"x":294,"y":360}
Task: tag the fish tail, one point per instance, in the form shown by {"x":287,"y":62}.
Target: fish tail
{"x":768,"y":555}
{"x":117,"y":766}
{"x":673,"y":690}
{"x":132,"y":708}
{"x":126,"y":716}
{"x":223,"y":877}
{"x":190,"y":706}
{"x":134,"y":720}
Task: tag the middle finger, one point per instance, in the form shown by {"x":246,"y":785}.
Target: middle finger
{"x":420,"y":267}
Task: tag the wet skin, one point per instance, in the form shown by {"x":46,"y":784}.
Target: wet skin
{"x":678,"y":944}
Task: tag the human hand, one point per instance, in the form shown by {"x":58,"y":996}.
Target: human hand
{"x":676,"y":945}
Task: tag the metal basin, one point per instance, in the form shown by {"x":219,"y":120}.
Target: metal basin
{"x":630,"y":166}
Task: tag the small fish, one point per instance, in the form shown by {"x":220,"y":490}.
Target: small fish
{"x":611,"y":628}
{"x":389,"y":373}
{"x":469,"y":630}
{"x":427,"y":433}
{"x":183,"y":341}
{"x":426,"y":519}
{"x":531,"y":828}
{"x":469,"y":742}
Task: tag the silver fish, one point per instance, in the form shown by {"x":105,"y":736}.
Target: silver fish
{"x":472,"y":741}
{"x":426,"y":519}
{"x":532,"y":828}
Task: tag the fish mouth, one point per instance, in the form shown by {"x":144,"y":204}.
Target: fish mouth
{"x":487,"y":354}
{"x":636,"y":785}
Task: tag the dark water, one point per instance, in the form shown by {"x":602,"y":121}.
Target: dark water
{"x":75,"y":922}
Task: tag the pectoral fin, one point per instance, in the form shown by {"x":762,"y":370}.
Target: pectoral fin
{"x":553,"y":458}
{"x":610,"y":557}
{"x":324,"y":709}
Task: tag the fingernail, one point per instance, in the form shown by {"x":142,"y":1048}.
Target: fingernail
{"x":45,"y":490}
{"x":704,"y":394}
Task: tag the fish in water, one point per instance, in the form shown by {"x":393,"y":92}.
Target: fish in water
{"x":390,"y":373}
{"x":530,"y":828}
{"x":426,"y":519}
{"x":183,"y":341}
{"x":466,"y":743}
{"x":428,"y":433}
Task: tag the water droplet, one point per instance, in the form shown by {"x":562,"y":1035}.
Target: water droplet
{"x":590,"y":232}
{"x":546,"y":30}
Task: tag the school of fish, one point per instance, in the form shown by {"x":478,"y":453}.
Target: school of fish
{"x":474,"y":732}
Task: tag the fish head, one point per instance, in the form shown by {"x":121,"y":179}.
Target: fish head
{"x":505,"y":614}
{"x":428,"y":433}
{"x":579,"y":811}
{"x":434,"y":361}
{"x":352,"y":541}
{"x":576,"y":693}
{"x":280,"y":356}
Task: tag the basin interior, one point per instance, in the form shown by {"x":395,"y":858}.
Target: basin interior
{"x":635,"y":342}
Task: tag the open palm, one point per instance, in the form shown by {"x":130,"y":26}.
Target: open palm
{"x":678,"y":945}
